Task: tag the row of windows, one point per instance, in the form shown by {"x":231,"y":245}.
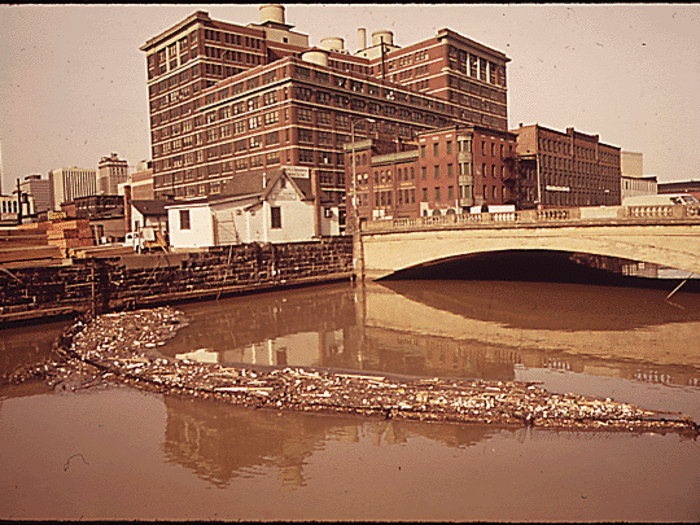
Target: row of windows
{"x":229,"y":55}
{"x":466,"y":147}
{"x":574,"y":181}
{"x":406,"y":196}
{"x":232,"y":39}
{"x":471,"y":88}
{"x":476,"y":67}
{"x":349,"y":66}
{"x":358,"y":86}
{"x":578,"y":166}
{"x":9,"y":206}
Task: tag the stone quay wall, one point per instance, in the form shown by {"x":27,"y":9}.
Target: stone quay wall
{"x":96,"y":285}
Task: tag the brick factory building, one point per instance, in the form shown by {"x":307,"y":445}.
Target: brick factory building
{"x":570,"y":169}
{"x":227,"y":99}
{"x":443,"y":171}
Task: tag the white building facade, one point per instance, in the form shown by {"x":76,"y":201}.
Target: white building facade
{"x":285,"y":211}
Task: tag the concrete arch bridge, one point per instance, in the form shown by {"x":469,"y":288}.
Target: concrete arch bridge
{"x":662,"y":235}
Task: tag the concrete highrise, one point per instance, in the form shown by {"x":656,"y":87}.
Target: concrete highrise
{"x":39,"y":189}
{"x":112,"y":171}
{"x":68,"y":184}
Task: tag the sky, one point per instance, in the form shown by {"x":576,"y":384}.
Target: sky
{"x":73,"y":80}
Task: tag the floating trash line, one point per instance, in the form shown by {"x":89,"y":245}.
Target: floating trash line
{"x":122,"y":347}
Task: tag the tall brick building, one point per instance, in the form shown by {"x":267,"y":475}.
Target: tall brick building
{"x":227,"y":99}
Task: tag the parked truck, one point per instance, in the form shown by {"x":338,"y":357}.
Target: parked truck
{"x":145,"y":240}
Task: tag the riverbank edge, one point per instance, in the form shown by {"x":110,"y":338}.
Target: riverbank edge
{"x":98,"y":285}
{"x":122,"y":348}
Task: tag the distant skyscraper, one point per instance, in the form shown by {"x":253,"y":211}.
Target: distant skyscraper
{"x":112,"y":172}
{"x":39,"y":189}
{"x":68,"y":184}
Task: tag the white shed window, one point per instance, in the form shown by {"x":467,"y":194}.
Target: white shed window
{"x":184,"y":219}
{"x":276,"y":217}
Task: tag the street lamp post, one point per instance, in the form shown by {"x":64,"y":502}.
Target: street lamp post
{"x":353,"y":186}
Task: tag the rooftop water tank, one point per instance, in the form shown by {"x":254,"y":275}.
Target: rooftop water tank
{"x":316,"y":56}
{"x":333,"y":43}
{"x":272,"y":13}
{"x":383,"y":36}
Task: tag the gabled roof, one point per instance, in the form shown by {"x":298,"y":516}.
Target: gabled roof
{"x":151,"y":207}
{"x":250,"y":186}
{"x":297,"y":184}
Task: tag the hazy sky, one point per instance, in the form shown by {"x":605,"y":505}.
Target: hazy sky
{"x":73,"y":81}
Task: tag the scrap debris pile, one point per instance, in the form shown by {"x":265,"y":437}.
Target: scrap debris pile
{"x":123,"y":347}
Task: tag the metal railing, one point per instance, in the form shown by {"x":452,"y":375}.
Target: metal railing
{"x":568,"y":216}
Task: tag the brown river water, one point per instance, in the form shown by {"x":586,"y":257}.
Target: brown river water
{"x":119,"y":453}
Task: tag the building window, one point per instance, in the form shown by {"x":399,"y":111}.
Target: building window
{"x":423,"y":173}
{"x":449,"y":147}
{"x":437,"y":194}
{"x":304,"y":115}
{"x":436,"y":149}
{"x":437,"y":172}
{"x":425,"y":195}
{"x":422,"y":151}
{"x":184,"y":219}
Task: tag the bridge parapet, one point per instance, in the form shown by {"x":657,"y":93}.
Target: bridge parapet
{"x":671,"y":211}
{"x":554,"y":217}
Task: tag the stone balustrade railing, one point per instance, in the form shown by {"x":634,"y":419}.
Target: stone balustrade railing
{"x":568,"y":216}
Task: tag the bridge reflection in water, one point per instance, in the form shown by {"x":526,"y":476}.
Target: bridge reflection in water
{"x":584,"y":339}
{"x":472,"y":329}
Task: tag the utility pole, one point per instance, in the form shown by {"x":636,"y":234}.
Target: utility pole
{"x":19,"y":204}
{"x":381,"y":43}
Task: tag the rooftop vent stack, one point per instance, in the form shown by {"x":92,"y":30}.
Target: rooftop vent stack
{"x":362,"y":38}
{"x":272,"y":13}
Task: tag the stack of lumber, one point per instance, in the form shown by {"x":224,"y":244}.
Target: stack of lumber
{"x":74,"y":233}
{"x":98,"y":252}
{"x":25,"y":247}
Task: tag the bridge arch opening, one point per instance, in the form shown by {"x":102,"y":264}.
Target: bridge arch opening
{"x":538,"y":266}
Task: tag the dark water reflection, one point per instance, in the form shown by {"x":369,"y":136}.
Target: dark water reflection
{"x":488,"y":330}
{"x":164,"y":457}
{"x":220,"y":443}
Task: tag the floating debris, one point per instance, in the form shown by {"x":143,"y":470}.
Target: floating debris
{"x":122,"y":347}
